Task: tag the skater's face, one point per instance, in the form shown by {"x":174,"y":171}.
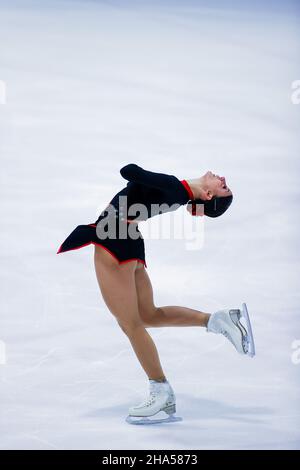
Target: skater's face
{"x":216,"y":185}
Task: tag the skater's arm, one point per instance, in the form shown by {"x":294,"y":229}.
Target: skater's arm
{"x":135,"y":173}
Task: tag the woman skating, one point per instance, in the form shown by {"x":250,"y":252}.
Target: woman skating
{"x":124,"y":283}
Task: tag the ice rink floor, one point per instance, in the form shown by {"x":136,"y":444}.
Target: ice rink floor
{"x":179,"y":88}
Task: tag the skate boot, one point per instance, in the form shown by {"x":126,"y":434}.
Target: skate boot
{"x":161,"y":398}
{"x":228,"y":323}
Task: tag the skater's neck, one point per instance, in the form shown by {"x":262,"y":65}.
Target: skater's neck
{"x":197,"y":187}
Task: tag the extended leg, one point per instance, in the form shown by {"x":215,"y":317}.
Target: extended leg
{"x":153,"y":316}
{"x":173,"y":315}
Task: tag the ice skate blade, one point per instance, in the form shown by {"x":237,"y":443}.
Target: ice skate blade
{"x":148,"y":421}
{"x":250,"y":338}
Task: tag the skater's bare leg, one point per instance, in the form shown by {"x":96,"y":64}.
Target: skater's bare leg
{"x":173,"y":315}
{"x":117,"y":285}
{"x":153,"y":316}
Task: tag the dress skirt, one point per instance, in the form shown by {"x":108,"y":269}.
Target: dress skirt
{"x":122,"y":249}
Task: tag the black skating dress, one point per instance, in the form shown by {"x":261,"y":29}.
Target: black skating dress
{"x":143,"y":187}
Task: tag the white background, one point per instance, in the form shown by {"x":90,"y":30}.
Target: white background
{"x":180,"y":88}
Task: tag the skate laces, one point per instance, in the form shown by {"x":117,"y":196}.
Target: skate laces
{"x":150,"y":399}
{"x":155,"y":388}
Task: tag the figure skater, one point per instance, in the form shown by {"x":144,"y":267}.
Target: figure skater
{"x":119,"y":260}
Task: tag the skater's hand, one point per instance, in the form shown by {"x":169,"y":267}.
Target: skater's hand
{"x":198,"y":209}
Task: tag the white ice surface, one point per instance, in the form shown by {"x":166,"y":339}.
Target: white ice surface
{"x":179,"y":88}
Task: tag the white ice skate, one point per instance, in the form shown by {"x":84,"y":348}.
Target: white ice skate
{"x":228,"y":323}
{"x":161,"y":398}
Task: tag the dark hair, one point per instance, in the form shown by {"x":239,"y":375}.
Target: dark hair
{"x":215,"y":207}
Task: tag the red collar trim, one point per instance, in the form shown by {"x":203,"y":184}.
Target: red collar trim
{"x":188,"y":188}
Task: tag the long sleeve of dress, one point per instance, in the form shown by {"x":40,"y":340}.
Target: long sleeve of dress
{"x":136,"y":174}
